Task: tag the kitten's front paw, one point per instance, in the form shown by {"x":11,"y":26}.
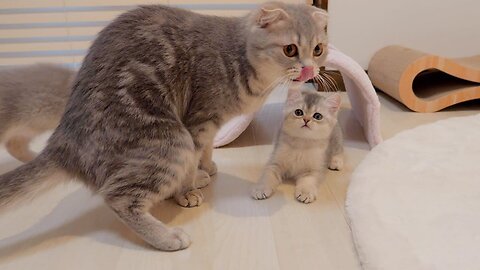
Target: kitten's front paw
{"x":305,"y":195}
{"x":261,"y":192}
{"x":191,"y":198}
{"x":202,"y":180}
{"x":210,"y":167}
{"x":175,"y":239}
{"x":336,"y":163}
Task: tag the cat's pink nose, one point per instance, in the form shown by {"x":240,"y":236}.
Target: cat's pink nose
{"x":306,"y":74}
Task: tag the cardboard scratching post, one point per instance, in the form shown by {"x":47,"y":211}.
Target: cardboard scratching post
{"x":425,"y":82}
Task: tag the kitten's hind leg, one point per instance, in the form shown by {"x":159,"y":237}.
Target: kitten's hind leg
{"x":134,"y":212}
{"x":336,"y":161}
{"x":269,"y":181}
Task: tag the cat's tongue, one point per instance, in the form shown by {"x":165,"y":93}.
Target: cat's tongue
{"x":306,"y":74}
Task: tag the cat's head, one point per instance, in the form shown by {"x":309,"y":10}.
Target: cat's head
{"x":287,"y":42}
{"x":310,"y":115}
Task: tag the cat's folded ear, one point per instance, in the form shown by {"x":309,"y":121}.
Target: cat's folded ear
{"x":269,"y":15}
{"x":333,"y":103}
{"x":320,"y":16}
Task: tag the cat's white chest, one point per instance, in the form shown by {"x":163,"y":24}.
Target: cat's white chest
{"x":300,"y":161}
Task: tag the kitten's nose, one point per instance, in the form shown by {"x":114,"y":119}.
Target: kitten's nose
{"x":306,"y":121}
{"x":306,"y":73}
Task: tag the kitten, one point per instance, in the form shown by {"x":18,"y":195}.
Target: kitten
{"x":32,"y":101}
{"x":309,"y":141}
{"x":153,"y":90}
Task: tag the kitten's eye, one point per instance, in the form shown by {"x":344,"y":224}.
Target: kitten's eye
{"x":298,"y":112}
{"x":317,"y":116}
{"x":290,"y":50}
{"x":318,"y":50}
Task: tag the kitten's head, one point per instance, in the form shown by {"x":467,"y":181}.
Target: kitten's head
{"x":310,"y":115}
{"x":287,"y":41}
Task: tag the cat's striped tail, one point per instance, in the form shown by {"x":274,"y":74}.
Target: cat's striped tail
{"x":29,"y":180}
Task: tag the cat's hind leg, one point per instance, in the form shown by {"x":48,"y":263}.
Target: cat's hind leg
{"x":202,"y":179}
{"x":134,"y":213}
{"x":141,"y":178}
{"x":206,"y":162}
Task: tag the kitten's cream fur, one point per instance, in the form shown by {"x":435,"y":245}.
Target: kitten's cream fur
{"x":305,"y":146}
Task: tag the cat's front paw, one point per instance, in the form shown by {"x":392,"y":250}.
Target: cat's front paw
{"x":305,"y":195}
{"x":261,"y":192}
{"x":336,"y":163}
{"x":210,"y":167}
{"x":191,"y":198}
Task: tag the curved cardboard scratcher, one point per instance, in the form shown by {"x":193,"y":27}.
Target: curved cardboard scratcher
{"x":425,"y":82}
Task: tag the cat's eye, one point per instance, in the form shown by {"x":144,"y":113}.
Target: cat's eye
{"x":298,"y":112}
{"x":318,"y":50}
{"x":317,"y":116}
{"x":290,"y":50}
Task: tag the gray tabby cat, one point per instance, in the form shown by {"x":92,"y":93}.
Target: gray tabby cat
{"x":155,"y":87}
{"x":32,"y":101}
{"x":309,"y":141}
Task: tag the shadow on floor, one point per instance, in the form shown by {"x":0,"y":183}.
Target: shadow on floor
{"x":79,"y":215}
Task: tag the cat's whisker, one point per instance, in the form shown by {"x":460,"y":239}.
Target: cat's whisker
{"x":315,"y":80}
{"x":285,"y":80}
{"x":286,"y":84}
{"x":333,"y":82}
{"x":276,"y":82}
{"x":325,"y":84}
{"x":330,"y":84}
{"x":331,"y":87}
{"x":322,"y":83}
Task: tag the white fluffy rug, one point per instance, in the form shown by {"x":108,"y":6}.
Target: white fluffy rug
{"x":414,"y":202}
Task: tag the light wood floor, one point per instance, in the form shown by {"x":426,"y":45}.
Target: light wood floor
{"x":68,"y":228}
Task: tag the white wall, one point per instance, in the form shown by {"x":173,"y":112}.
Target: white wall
{"x":445,"y":27}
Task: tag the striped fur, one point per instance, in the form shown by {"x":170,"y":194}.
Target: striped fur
{"x":155,"y":87}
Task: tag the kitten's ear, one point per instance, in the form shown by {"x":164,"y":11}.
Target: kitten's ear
{"x":320,"y":16}
{"x":333,"y":103}
{"x":294,"y":96}
{"x":268,"y":16}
